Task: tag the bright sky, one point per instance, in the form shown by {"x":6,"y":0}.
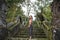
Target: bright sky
{"x":33,"y":1}
{"x":31,"y":12}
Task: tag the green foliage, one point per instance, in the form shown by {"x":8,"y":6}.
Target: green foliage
{"x":15,"y":1}
{"x":47,"y":13}
{"x":13,"y":9}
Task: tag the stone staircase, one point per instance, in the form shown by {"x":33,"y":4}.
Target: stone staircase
{"x":37,"y":33}
{"x":23,"y":34}
{"x":27,"y":39}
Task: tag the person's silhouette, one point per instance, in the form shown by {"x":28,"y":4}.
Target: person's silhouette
{"x":30,"y":27}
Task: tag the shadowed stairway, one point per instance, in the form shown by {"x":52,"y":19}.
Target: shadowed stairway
{"x":23,"y":34}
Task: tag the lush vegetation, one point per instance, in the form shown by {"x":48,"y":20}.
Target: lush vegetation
{"x":41,"y":8}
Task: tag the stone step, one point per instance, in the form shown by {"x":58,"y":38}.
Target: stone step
{"x":27,"y":38}
{"x":34,"y":36}
{"x":37,"y":33}
{"x":24,"y":33}
{"x":34,"y":31}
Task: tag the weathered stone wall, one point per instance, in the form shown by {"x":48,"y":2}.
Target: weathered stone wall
{"x":56,"y":19}
{"x":56,"y":14}
{"x":3,"y":30}
{"x":3,"y":8}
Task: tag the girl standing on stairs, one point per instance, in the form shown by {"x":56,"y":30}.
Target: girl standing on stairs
{"x":30,"y":27}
